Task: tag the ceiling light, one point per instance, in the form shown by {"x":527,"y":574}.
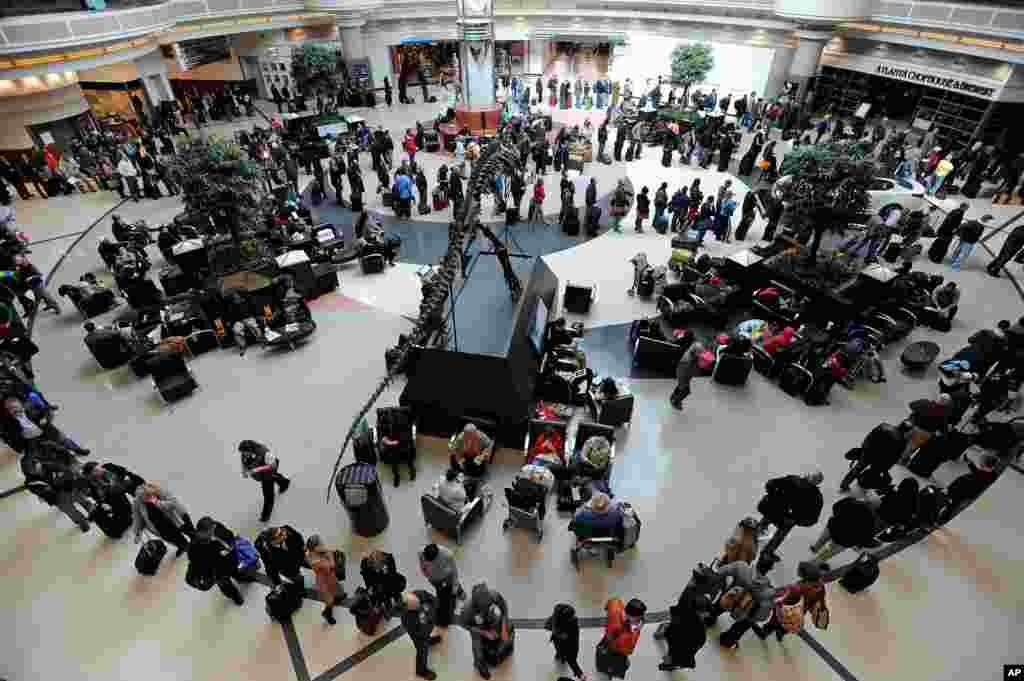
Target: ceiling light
{"x":898,"y":31}
{"x":939,"y":36}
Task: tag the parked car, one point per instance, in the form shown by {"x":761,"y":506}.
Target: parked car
{"x":886,"y":192}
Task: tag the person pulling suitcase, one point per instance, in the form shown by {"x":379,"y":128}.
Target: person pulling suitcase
{"x":260,"y":465}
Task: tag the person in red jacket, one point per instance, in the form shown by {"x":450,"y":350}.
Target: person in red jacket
{"x":621,"y":634}
{"x":409,"y":145}
{"x":537,"y":203}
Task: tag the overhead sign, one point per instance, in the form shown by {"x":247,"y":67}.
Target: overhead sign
{"x":332,"y":129}
{"x":415,"y":40}
{"x":943,"y":82}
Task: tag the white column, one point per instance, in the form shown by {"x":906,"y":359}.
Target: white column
{"x":806,"y":58}
{"x":782,"y":61}
{"x":535,"y":56}
{"x":379,"y":54}
{"x":153,"y":74}
{"x":352,"y":44}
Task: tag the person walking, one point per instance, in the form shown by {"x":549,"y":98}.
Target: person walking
{"x":789,"y":501}
{"x":455,"y":191}
{"x":750,"y":601}
{"x":291,"y":171}
{"x":685,"y":369}
{"x":437,"y":564}
{"x":621,"y":635}
{"x":260,"y":465}
{"x":486,"y":618}
{"x":619,"y":207}
{"x":58,"y":483}
{"x":565,"y":635}
{"x":660,"y":204}
{"x":328,"y":565}
{"x":129,"y":176}
{"x":970,"y":234}
{"x":706,"y":218}
{"x":643,"y":208}
{"x":602,"y":139}
{"x":283,"y":552}
{"x":157,"y":511}
{"x":1013,"y":247}
{"x":518,"y":191}
{"x":726,"y":207}
{"x":212,"y":559}
{"x":854,"y":522}
{"x":684,"y":633}
{"x":536,"y":213}
{"x":809,"y":591}
{"x":419,"y":613}
{"x":748,"y":210}
{"x":680,"y":206}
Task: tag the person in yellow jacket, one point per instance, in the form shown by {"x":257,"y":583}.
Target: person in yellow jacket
{"x":942,"y":169}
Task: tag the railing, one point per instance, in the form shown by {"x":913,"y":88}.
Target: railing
{"x":20,"y":8}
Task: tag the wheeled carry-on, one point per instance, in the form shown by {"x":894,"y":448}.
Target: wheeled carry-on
{"x":939,"y":248}
{"x":609,"y":662}
{"x":918,"y":356}
{"x":109,"y":351}
{"x":372,"y":264}
{"x":283,"y":601}
{"x":863,"y":574}
{"x":110,"y":522}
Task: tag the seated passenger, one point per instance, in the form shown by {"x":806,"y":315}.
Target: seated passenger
{"x":597,"y":518}
{"x":549,"y":446}
{"x":595,"y":453}
{"x":471,"y":451}
{"x":452,"y":491}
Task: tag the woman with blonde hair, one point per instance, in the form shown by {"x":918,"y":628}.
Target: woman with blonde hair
{"x":328,"y":569}
{"x":158,"y":511}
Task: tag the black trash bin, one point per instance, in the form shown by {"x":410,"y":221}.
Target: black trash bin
{"x":362,"y":496}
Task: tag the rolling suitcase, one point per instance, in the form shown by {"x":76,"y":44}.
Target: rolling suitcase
{"x":863,"y":574}
{"x":610,"y":662}
{"x":96,"y":302}
{"x":388,"y":199}
{"x":937,"y":251}
{"x":109,"y":351}
{"x":440,"y":201}
{"x":424,"y":209}
{"x":372,"y":264}
{"x":283,"y":600}
{"x":795,"y":380}
{"x":571,"y":224}
{"x":150,"y":555}
{"x":357,"y":202}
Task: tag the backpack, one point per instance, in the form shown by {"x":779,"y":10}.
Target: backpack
{"x":150,"y":555}
{"x":245,"y":553}
{"x":283,"y":600}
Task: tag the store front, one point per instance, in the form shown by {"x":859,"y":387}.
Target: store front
{"x":115,"y":104}
{"x":960,"y":97}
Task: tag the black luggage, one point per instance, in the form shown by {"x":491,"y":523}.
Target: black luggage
{"x":424,"y":209}
{"x":201,"y":341}
{"x":795,"y":380}
{"x":666,"y":157}
{"x":110,"y":521}
{"x":566,"y":502}
{"x":610,"y":662}
{"x":817,"y":393}
{"x":971,"y":188}
{"x":173,"y":280}
{"x":936,"y":451}
{"x":372,"y":264}
{"x":892,"y":252}
{"x":571,"y":224}
{"x":110,"y":351}
{"x":863,"y":574}
{"x":512,"y":216}
{"x":367,"y":614}
{"x":357,"y":202}
{"x":937,"y":251}
{"x":150,"y":555}
{"x":431,"y":99}
{"x":283,"y":600}
{"x":365,"y":449}
{"x":141,"y":293}
{"x":388,"y":199}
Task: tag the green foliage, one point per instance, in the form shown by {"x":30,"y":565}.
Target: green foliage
{"x":691,"y":63}
{"x":824,"y":189}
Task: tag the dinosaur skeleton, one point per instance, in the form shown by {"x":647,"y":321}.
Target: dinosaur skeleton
{"x":500,"y":157}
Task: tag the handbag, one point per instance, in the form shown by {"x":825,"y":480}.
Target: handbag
{"x":339,"y":565}
{"x":820,"y":615}
{"x":791,"y":615}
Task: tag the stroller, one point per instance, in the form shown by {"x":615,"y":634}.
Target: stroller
{"x":527,"y":504}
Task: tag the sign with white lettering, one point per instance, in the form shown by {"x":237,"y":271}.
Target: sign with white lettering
{"x":945,"y":83}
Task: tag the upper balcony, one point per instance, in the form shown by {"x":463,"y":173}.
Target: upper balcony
{"x":1004,"y":20}
{"x":60,"y":27}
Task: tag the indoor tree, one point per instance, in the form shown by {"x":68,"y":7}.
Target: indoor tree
{"x":824,"y":189}
{"x":691,"y":64}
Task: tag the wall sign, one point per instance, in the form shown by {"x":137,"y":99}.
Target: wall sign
{"x":191,"y":53}
{"x":913,"y":76}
